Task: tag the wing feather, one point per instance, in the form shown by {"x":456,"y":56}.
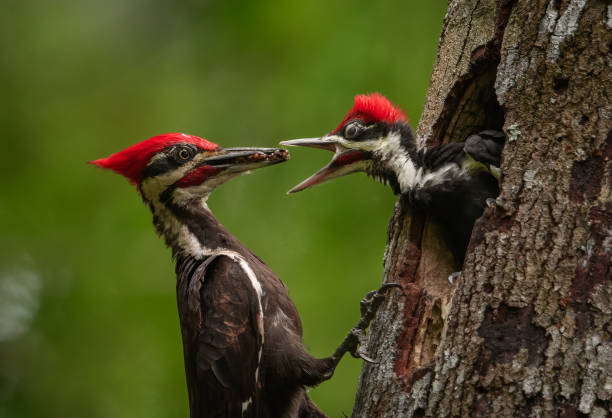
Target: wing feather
{"x":221,"y":338}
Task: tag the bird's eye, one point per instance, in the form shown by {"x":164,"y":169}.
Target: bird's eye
{"x":352,"y":130}
{"x":183,"y":155}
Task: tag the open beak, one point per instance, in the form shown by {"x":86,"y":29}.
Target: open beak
{"x":245,"y":159}
{"x":327,"y":142}
{"x":344,"y":161}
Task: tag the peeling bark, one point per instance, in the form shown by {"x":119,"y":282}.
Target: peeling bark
{"x":526,"y":331}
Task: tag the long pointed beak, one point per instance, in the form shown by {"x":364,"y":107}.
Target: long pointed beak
{"x":325,"y":142}
{"x":344,"y":161}
{"x":243,"y":159}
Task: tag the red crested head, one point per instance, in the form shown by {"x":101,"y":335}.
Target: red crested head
{"x":372,"y":108}
{"x":132,"y":161}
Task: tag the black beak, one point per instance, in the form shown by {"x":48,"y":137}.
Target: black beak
{"x":243,"y":159}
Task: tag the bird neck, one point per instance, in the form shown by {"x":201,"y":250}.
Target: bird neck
{"x":396,"y":162}
{"x":191,"y":230}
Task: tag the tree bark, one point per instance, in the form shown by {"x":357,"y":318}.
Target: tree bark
{"x":526,"y":330}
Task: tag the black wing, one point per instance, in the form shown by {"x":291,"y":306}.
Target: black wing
{"x":457,"y":198}
{"x":220,"y":318}
{"x":486,"y":147}
{"x":433,"y":158}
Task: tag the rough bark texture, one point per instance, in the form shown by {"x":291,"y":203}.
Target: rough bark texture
{"x":526,"y":331}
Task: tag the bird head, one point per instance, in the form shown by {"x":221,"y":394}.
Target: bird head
{"x":372,"y":134}
{"x":179,"y":168}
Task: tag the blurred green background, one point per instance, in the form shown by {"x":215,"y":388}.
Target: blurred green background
{"x":88,"y":321}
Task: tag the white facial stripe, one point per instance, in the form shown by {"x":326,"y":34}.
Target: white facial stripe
{"x":180,"y":195}
{"x":369,"y":145}
{"x":174,"y":232}
{"x":391,"y":153}
{"x":190,"y":243}
{"x":152,"y":187}
{"x":203,"y":190}
{"x":177,"y":234}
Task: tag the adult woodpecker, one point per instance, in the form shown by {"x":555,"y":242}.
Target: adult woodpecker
{"x":242,"y":336}
{"x":451,"y":182}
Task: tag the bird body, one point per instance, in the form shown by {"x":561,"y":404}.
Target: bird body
{"x":242,"y":335}
{"x":243,"y":348}
{"x":450,"y":182}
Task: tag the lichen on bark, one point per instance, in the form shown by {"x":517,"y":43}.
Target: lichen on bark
{"x":527,"y":329}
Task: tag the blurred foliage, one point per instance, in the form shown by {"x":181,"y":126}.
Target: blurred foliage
{"x":88,"y":322}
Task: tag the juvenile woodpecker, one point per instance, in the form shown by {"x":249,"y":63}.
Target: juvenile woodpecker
{"x":242,"y":336}
{"x":450,"y":182}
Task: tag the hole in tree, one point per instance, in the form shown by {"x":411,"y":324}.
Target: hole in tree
{"x":470,"y":108}
{"x":561,"y":84}
{"x":419,"y":413}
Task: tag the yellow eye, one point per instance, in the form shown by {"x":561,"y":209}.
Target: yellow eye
{"x":184,"y":155}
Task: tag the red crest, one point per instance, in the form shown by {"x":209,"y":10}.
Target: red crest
{"x":132,"y":161}
{"x":374,"y":107}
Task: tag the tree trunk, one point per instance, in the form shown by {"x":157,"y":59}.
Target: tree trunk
{"x":526,"y":330}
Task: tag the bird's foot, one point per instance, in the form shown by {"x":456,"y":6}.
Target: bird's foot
{"x":371,"y":301}
{"x":453,"y":276}
{"x":356,"y":340}
{"x":358,"y":346}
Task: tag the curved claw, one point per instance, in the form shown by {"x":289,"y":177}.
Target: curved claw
{"x":369,"y":296}
{"x":358,"y":350}
{"x":453,"y":276}
{"x":372,"y":300}
{"x":361,"y":354}
{"x":356,"y":340}
{"x":387,"y":286}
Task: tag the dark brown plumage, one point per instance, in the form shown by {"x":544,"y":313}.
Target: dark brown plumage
{"x":242,"y":335}
{"x":220,"y":321}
